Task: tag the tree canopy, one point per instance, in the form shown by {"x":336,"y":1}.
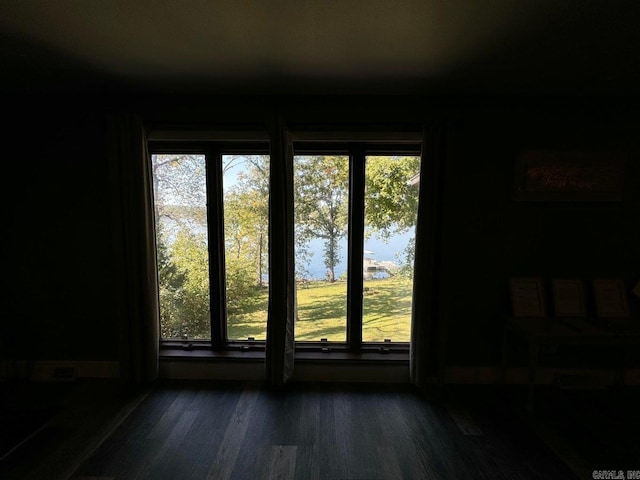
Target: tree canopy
{"x":321,"y":185}
{"x":321,"y":212}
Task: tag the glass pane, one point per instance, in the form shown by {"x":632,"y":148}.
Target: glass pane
{"x":321,"y":191}
{"x":391,"y":207}
{"x":246,"y":221}
{"x":179,"y":185}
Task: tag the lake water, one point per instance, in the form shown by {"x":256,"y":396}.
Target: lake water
{"x":383,"y":250}
{"x":379,"y":249}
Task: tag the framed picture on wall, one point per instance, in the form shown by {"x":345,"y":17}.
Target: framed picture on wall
{"x":527,"y":297}
{"x":611,"y":297}
{"x":569,"y":176}
{"x":568,"y":298}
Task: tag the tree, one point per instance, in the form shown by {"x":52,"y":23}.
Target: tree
{"x":179,"y":186}
{"x":322,"y":187}
{"x":184,"y":287}
{"x":180,"y":208}
{"x":180,"y":202}
{"x":170,"y":282}
{"x":391,"y":202}
{"x":246,"y":231}
{"x":246,"y":206}
{"x":321,"y":208}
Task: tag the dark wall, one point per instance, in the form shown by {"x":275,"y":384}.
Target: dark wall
{"x":62,"y":292}
{"x":488,"y":237}
{"x":58,"y":284}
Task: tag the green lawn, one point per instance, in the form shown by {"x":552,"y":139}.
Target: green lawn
{"x":322,"y":310}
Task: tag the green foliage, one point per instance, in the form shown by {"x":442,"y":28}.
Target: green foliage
{"x":184,"y":287}
{"x":407,"y":259}
{"x":321,"y":208}
{"x":391,"y":203}
{"x":246,"y":207}
{"x":240,"y":285}
{"x":171,"y":281}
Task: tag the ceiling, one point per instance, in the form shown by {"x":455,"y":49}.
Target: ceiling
{"x":313,"y":46}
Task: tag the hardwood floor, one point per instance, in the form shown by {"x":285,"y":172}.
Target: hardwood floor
{"x":232,"y":430}
{"x":330,"y":431}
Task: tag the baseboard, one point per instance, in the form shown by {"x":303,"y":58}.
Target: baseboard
{"x":58,"y":370}
{"x":387,"y":373}
{"x":544,"y":376}
{"x":70,"y":370}
{"x":255,"y":371}
{"x":196,"y":370}
{"x":13,"y":369}
{"x":47,"y":371}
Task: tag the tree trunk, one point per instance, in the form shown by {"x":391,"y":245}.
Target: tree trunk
{"x":260,"y":259}
{"x":332,"y":261}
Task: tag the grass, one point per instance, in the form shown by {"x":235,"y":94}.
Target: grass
{"x":322,"y":312}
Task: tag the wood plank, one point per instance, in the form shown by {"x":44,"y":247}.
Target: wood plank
{"x":159,"y":465}
{"x":464,"y":420}
{"x":307,"y":436}
{"x":171,"y":415}
{"x":128,"y":449}
{"x":93,"y":478}
{"x":389,"y":465}
{"x":282,"y":464}
{"x":227,"y":454}
{"x":312,"y":432}
{"x":409,"y":443}
{"x":216,"y":407}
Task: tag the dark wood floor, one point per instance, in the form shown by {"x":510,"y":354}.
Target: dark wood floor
{"x":199,"y":430}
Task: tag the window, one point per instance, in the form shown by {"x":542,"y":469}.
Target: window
{"x":355,"y":208}
{"x":180,"y":199}
{"x":355,"y":215}
{"x":211,"y":206}
{"x":246,"y":219}
{"x":390,"y":213}
{"x":321,"y":196}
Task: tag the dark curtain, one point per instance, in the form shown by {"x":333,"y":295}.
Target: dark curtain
{"x":134,"y":234}
{"x":425,"y":329}
{"x":282,"y":288}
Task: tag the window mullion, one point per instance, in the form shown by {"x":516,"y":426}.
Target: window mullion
{"x":355,"y":248}
{"x":215,"y":225}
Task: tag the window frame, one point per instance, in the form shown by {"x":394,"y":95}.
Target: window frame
{"x":357,"y":152}
{"x":213,"y":151}
{"x":311,"y":142}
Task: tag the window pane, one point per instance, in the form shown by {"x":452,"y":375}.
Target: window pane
{"x":321,"y":191}
{"x":391,"y":207}
{"x":179,"y":184}
{"x":246,"y":220}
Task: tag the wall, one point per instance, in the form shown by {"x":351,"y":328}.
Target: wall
{"x":61,"y":286}
{"x":488,"y":237}
{"x":58,"y":283}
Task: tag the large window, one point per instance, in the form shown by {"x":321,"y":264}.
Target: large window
{"x":211,"y":206}
{"x":355,"y":208}
{"x":355,"y":215}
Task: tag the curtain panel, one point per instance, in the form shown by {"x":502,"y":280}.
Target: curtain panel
{"x":135,"y":246}
{"x":426,"y":322}
{"x":280,"y":347}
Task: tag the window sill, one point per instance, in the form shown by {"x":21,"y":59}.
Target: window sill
{"x":351,"y":357}
{"x":333,"y":357}
{"x":202,"y":354}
